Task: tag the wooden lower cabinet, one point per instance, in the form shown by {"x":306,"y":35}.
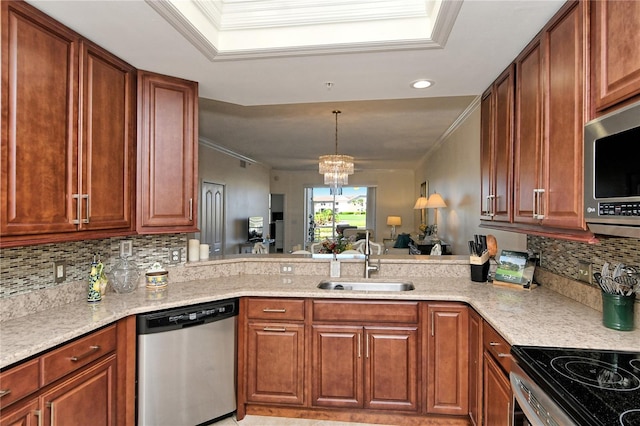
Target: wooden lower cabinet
{"x":497,"y":394}
{"x":365,"y":367}
{"x":26,"y":413}
{"x":275,"y":362}
{"x":89,"y":381}
{"x":86,"y":398}
{"x":447,"y":359}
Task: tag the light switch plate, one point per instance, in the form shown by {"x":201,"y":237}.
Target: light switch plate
{"x":126,"y":248}
{"x":59,"y":271}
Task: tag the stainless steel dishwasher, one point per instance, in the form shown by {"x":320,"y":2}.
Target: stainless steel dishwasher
{"x":187,"y":364}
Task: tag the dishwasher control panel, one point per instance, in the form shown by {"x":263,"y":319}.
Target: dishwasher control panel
{"x":186,"y":316}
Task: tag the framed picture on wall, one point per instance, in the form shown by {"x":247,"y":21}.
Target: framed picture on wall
{"x":424,"y":189}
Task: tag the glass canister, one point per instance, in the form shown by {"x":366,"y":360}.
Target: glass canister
{"x":125,"y":276}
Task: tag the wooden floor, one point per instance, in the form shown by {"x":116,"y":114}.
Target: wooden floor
{"x":280,"y":421}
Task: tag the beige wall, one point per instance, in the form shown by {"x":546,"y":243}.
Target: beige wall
{"x":246,"y":192}
{"x":395,"y":196}
{"x":453,"y":170}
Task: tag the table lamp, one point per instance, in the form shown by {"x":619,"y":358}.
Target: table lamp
{"x":435,"y":201}
{"x":394,"y":221}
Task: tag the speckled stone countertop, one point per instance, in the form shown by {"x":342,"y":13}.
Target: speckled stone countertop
{"x":539,"y":317}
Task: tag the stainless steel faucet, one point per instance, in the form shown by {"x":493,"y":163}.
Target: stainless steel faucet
{"x":368,"y":268}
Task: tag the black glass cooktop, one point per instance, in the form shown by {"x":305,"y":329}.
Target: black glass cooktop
{"x":594,"y":387}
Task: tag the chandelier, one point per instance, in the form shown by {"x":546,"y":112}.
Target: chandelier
{"x":336,"y":168}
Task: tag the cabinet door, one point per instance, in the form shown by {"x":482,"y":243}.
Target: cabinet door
{"x":529,"y":133}
{"x":167,"y":154}
{"x":25,"y":413}
{"x":496,"y":149}
{"x":391,"y":368}
{"x":616,"y":57}
{"x":39,"y":122}
{"x":497,"y":394}
{"x":86,"y":398}
{"x":107,"y":176}
{"x":275,"y":363}
{"x":448,"y":359}
{"x":503,"y":148}
{"x":475,"y":368}
{"x":337,"y":366}
{"x":486,"y":154}
{"x":565,"y":114}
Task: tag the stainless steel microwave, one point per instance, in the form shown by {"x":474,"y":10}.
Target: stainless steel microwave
{"x":612,"y":173}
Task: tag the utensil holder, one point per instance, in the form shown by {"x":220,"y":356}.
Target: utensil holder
{"x":617,"y":311}
{"x":479,"y":267}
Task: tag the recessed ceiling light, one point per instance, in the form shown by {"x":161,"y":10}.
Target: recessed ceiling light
{"x":421,"y":84}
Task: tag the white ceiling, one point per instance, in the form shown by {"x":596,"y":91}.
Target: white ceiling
{"x":273,"y":104}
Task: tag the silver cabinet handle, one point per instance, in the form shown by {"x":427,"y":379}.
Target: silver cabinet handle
{"x":274,"y":310}
{"x":76,"y":197}
{"x":275,"y":329}
{"x":359,"y":346}
{"x":51,"y":415}
{"x":537,"y":203}
{"x":503,"y":355}
{"x":432,"y":324}
{"x":190,"y":208}
{"x":494,"y":343}
{"x":86,"y":198}
{"x":4,"y":392}
{"x":366,"y":345}
{"x":38,"y":414}
{"x":92,"y":349}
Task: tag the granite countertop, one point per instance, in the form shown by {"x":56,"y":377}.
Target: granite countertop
{"x":539,"y":317}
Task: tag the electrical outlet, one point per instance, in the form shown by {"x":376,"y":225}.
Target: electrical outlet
{"x":175,"y":255}
{"x":286,"y":268}
{"x":585,"y":271}
{"x":126,"y":248}
{"x":59,"y":271}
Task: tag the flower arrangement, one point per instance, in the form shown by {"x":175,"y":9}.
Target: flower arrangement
{"x":338,"y":246}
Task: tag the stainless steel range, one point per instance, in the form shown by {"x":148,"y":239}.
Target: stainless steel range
{"x":558,"y":386}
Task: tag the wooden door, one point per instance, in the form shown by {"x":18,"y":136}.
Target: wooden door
{"x":167,"y":154}
{"x":391,"y":368}
{"x":212,"y":217}
{"x":448,"y":359}
{"x":475,"y":368}
{"x":24,"y":413}
{"x":107,"y":155}
{"x":486,"y":154}
{"x":616,"y":57}
{"x":529,"y":132}
{"x":337,"y":366}
{"x":39,"y":122}
{"x":86,"y":398}
{"x":503,"y":146}
{"x":275,"y":363}
{"x":497,"y":394}
{"x":566,"y":114}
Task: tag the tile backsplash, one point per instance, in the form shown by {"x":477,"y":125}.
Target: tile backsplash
{"x":562,"y":257}
{"x":25,"y":269}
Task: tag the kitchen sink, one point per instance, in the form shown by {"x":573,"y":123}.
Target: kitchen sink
{"x":367,"y":285}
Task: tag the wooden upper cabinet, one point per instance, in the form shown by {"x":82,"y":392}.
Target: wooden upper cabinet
{"x":39,"y":112}
{"x":167,"y":154}
{"x":551,"y":110}
{"x":107,"y":138}
{"x":565,"y":114}
{"x":497,"y":148}
{"x":615,"y":52}
{"x":68,"y":144}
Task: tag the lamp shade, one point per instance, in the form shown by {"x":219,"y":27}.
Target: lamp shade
{"x":421,"y":203}
{"x":394,"y":220}
{"x":435,"y":201}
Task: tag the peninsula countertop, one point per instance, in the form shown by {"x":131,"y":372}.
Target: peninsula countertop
{"x":539,"y":317}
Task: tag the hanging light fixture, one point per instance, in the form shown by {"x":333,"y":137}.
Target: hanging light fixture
{"x":336,"y":168}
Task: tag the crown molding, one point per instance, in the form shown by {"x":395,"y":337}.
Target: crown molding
{"x":211,"y":144}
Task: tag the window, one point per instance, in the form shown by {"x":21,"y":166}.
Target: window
{"x":326,"y":213}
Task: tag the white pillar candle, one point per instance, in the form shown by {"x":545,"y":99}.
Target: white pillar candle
{"x":194,"y":250}
{"x":204,"y":251}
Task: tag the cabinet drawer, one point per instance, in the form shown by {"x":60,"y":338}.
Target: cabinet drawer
{"x":18,"y":382}
{"x":276,"y":309}
{"x":68,"y":358}
{"x":365,"y":311}
{"x":497,"y":346}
